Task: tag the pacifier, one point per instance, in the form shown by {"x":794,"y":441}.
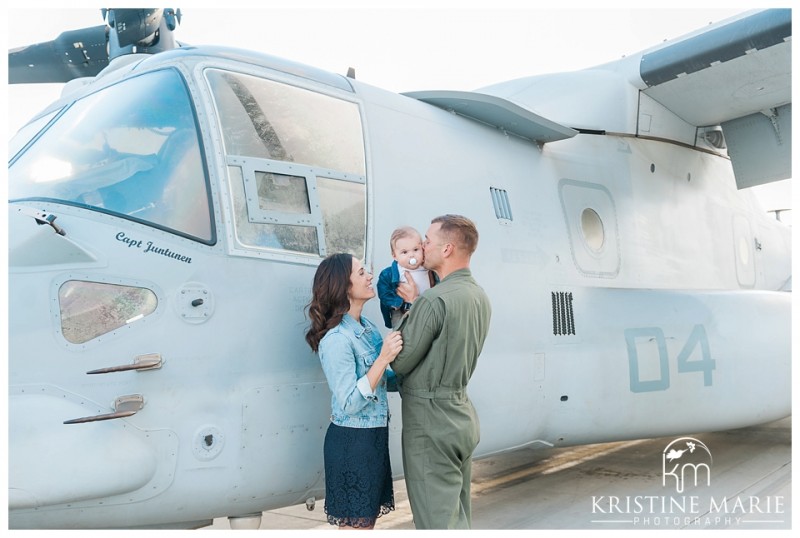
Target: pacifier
{"x":412,"y":261}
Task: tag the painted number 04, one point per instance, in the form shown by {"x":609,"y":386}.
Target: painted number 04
{"x":644,"y":341}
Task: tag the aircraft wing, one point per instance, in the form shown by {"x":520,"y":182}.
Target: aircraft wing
{"x":497,"y":112}
{"x":737,"y":75}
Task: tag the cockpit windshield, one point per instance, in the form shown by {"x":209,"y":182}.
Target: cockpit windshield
{"x":131,"y":149}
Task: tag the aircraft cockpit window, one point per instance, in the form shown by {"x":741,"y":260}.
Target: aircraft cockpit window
{"x":27,"y":133}
{"x":91,"y":309}
{"x":131,"y":149}
{"x":296,"y":163}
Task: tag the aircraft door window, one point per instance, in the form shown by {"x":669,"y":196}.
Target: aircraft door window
{"x":279,"y":208}
{"x":92,"y":309}
{"x":270,"y":120}
{"x":590,"y":216}
{"x":282,"y":193}
{"x":592,"y":228}
{"x":343,"y":215}
{"x":296,"y":164}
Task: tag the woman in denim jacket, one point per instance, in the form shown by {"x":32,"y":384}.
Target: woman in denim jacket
{"x":354,"y":357}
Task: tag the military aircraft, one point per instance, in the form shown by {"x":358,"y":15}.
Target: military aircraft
{"x":161,"y":253}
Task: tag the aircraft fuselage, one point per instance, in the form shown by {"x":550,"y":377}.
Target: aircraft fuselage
{"x":634,"y":291}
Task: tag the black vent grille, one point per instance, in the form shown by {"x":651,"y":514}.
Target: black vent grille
{"x":563,"y":316}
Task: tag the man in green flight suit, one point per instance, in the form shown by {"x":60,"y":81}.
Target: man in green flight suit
{"x":443,"y":336}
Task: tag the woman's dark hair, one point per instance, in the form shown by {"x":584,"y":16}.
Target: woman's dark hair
{"x":329,"y":301}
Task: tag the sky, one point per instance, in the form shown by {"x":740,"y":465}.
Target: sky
{"x":408,"y":46}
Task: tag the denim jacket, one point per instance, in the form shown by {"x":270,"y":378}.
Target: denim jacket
{"x":346,"y":352}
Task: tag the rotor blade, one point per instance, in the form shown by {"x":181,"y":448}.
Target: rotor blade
{"x":73,"y":54}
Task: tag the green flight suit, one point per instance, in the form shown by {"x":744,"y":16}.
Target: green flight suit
{"x":442,"y":338}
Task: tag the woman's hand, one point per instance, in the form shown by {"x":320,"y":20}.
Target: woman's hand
{"x":392,"y":345}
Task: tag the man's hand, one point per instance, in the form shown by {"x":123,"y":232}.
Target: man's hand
{"x":408,"y":290}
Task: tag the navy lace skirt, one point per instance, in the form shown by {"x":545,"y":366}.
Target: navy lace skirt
{"x":358,"y":475}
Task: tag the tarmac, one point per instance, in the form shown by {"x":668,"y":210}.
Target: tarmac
{"x":611,"y":486}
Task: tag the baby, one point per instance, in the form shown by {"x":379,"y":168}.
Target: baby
{"x":406,"y":245}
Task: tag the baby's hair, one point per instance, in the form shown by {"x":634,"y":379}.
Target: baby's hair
{"x":399,"y":233}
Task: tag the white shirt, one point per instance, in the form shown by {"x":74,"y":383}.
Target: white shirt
{"x":420,"y":276}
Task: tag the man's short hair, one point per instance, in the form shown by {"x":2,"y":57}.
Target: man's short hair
{"x":459,"y":230}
